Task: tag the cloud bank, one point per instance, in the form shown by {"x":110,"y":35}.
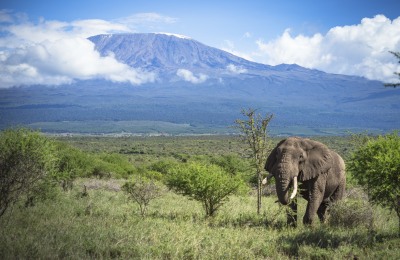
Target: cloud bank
{"x":236,"y":69}
{"x":187,"y":75}
{"x":361,"y":49}
{"x":54,"y":52}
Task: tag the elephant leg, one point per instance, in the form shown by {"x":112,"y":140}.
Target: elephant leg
{"x":291,"y":213}
{"x":316,"y":196}
{"x":322,"y":210}
{"x":310,"y":213}
{"x":339,"y":192}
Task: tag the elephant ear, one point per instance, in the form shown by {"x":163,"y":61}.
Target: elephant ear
{"x":272,"y":158}
{"x":317,"y":161}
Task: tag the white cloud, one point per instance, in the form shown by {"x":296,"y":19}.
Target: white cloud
{"x":247,"y":35}
{"x":54,"y":52}
{"x":361,"y":49}
{"x":62,"y":61}
{"x":187,"y":75}
{"x":286,"y":49}
{"x":236,"y":69}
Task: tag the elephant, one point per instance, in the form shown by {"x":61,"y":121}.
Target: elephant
{"x":320,"y":171}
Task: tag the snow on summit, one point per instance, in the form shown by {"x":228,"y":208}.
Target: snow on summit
{"x":174,"y":34}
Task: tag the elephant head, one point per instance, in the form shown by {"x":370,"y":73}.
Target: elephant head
{"x":296,"y":159}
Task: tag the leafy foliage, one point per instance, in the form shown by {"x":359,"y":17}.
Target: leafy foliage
{"x":209,"y":184}
{"x":71,"y":163}
{"x":26,"y":163}
{"x":397,"y":54}
{"x":376,"y":166}
{"x":231,"y":163}
{"x":113,"y":163}
{"x":142,"y":191}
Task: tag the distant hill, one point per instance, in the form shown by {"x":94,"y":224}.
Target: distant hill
{"x":200,"y":89}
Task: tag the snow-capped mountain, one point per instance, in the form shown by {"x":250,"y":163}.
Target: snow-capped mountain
{"x":167,"y":53}
{"x":199,"y":86}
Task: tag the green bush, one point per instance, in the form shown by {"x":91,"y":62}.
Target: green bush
{"x":112,"y":164}
{"x":163,"y":166}
{"x":235,"y":166}
{"x":71,"y":163}
{"x":376,"y":166}
{"x":26,"y":164}
{"x":232,"y":164}
{"x":206,"y":183}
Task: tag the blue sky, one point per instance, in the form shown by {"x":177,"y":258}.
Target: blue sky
{"x":347,"y":37}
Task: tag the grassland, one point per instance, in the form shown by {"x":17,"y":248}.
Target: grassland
{"x":105,"y":224}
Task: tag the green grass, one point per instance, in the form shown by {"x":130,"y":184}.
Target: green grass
{"x":106,"y":224}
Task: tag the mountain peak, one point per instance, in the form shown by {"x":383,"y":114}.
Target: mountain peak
{"x":166,"y":53}
{"x":175,"y":35}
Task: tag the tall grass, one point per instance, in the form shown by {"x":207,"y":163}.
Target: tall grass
{"x":105,"y":224}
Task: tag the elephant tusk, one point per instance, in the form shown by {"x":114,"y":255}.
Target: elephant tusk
{"x":294,"y":188}
{"x":265,"y":180}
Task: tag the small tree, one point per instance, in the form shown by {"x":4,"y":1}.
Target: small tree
{"x":254,"y":130}
{"x":397,"y":54}
{"x":26,"y":164}
{"x":208,"y":184}
{"x":376,"y":166}
{"x":142,"y":191}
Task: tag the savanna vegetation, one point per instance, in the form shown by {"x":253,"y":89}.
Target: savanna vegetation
{"x":104,"y":197}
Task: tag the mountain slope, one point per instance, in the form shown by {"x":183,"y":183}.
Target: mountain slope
{"x":155,"y":51}
{"x":304,"y":101}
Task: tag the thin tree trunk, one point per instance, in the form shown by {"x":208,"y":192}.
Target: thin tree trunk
{"x":259,"y":192}
{"x":398,"y":213}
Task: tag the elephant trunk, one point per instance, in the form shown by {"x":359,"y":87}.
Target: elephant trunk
{"x":282,"y":190}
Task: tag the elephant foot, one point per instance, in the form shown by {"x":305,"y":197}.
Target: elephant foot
{"x":307,"y":221}
{"x":322,"y":211}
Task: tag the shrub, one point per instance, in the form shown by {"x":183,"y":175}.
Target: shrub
{"x":351,"y":213}
{"x":235,"y":166}
{"x":163,"y":166}
{"x":71,"y":163}
{"x":376,"y":166}
{"x":107,"y":165}
{"x":142,"y":191}
{"x":232,"y":164}
{"x":208,"y":184}
{"x":26,"y":160}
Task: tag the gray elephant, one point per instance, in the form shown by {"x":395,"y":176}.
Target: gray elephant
{"x":320,"y":171}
